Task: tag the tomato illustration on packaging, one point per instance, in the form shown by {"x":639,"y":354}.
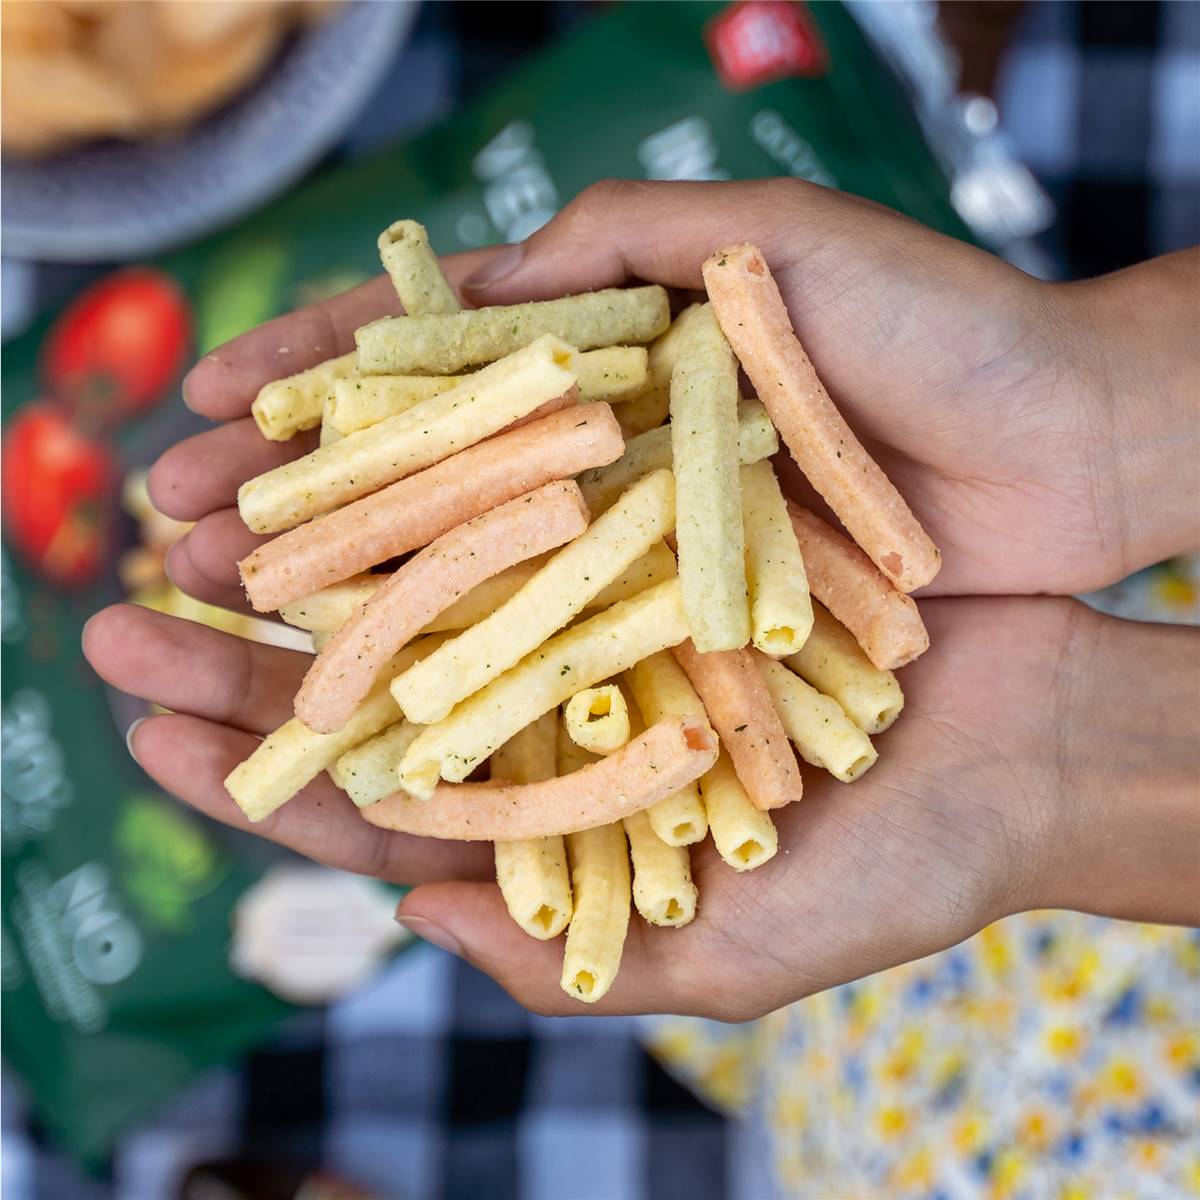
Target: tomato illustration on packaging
{"x":118,"y":347}
{"x":56,"y":488}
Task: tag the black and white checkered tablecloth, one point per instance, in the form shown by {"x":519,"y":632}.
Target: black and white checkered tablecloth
{"x":1101,"y":100}
{"x":430,"y":1082}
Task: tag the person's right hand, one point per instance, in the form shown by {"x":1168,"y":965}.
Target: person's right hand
{"x":1045,"y":435}
{"x":1042,"y":433}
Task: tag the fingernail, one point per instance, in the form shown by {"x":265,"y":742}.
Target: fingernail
{"x":129,"y":737}
{"x":171,"y":552}
{"x":503,"y":263}
{"x":435,"y":935}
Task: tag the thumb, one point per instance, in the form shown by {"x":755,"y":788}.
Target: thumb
{"x":470,"y":919}
{"x":661,"y":232}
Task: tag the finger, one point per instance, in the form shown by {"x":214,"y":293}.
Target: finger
{"x":190,"y":758}
{"x":659,"y":967}
{"x":225,"y":381}
{"x":190,"y":668}
{"x":203,"y":473}
{"x":621,"y":230}
{"x":179,"y":570}
{"x":204,"y":561}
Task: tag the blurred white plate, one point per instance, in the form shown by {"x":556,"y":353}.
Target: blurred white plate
{"x":117,"y":200}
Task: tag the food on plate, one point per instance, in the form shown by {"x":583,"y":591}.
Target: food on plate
{"x":603,"y":647}
{"x":74,"y":72}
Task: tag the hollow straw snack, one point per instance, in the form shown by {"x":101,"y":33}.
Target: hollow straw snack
{"x":445,"y":344}
{"x":293,"y":755}
{"x":781,"y":614}
{"x":417,"y":277}
{"x":367,"y":772}
{"x":428,"y":582}
{"x":834,"y":663}
{"x":286,"y":407}
{"x":414,"y":271}
{"x":704,"y":438}
{"x":433,"y":430}
{"x":745,"y":836}
{"x":751,"y":311}
{"x":597,"y":719}
{"x":599,"y":860}
{"x":651,"y":451}
{"x":816,"y":724}
{"x":885,"y":621}
{"x":663,"y":891}
{"x":414,"y":511}
{"x":532,"y":873}
{"x":660,"y":689}
{"x":595,"y":649}
{"x":649,"y":409}
{"x":329,"y":608}
{"x":505,"y":557}
{"x":611,"y":374}
{"x":600,"y":870}
{"x":738,"y":704}
{"x":652,"y":765}
{"x":556,"y":594}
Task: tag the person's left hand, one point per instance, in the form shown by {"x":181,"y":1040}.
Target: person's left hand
{"x":956,"y":825}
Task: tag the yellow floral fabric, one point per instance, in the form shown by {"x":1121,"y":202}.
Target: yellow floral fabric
{"x":1054,"y":1056}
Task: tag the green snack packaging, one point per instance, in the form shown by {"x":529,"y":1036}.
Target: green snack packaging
{"x":117,"y":900}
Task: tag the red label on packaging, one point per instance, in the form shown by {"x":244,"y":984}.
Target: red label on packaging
{"x":758,"y":41}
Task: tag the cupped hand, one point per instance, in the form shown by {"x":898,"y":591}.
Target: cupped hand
{"x":952,"y":828}
{"x":984,"y":393}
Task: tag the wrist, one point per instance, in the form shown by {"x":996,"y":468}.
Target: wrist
{"x":1125,"y":838}
{"x":1138,"y":361}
